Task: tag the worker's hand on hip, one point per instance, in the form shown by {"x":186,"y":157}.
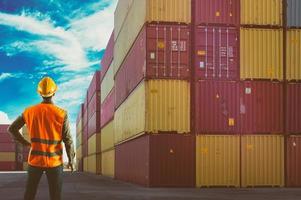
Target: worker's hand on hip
{"x":70,"y":166}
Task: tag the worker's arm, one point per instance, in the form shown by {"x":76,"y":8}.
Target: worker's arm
{"x":14,"y":130}
{"x":67,"y":138}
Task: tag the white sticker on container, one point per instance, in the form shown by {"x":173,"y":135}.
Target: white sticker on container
{"x":294,"y":144}
{"x":152,"y":55}
{"x":248,"y":91}
{"x":242,"y":109}
{"x":202,"y":65}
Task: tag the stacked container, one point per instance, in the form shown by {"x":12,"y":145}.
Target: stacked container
{"x":152,"y":87}
{"x":79,"y":139}
{"x":8,"y":151}
{"x":25,"y":149}
{"x":293,"y":92}
{"x":107,"y":111}
{"x":92,"y":159}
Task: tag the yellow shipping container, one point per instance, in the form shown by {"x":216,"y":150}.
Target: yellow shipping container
{"x":142,"y":11}
{"x":7,"y":156}
{"x":107,"y":136}
{"x":79,"y":154}
{"x":25,"y":166}
{"x":293,"y":54}
{"x":79,"y":139}
{"x":94,"y":143}
{"x":262,"y":160}
{"x":261,"y":53}
{"x":218,"y":161}
{"x":261,"y":12}
{"x":85,"y":164}
{"x":91,"y":164}
{"x":108,"y":163}
{"x":108,"y":83}
{"x":120,"y":14}
{"x":155,"y":105}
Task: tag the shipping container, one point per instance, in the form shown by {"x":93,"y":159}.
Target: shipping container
{"x":107,"y":57}
{"x":85,"y":117}
{"x":85,"y":164}
{"x":218,"y":161}
{"x":259,"y":12}
{"x":177,"y":11}
{"x":120,"y":15}
{"x":93,"y":163}
{"x":7,"y":166}
{"x":261,"y":53}
{"x":293,"y":52}
{"x":107,"y":136}
{"x":108,"y":108}
{"x":217,"y":12}
{"x":6,"y":137}
{"x":217,"y":107}
{"x":7,"y":156}
{"x":94,"y":144}
{"x":216,"y":53}
{"x":293,"y":162}
{"x":108,"y":163}
{"x":8,"y":147}
{"x":262,"y":160}
{"x":94,"y":85}
{"x":293,"y":13}
{"x":94,"y":124}
{"x":107,"y":83}
{"x":79,"y":139}
{"x":155,"y":106}
{"x":160,"y":160}
{"x":261,"y":107}
{"x":25,"y":166}
{"x":79,"y":154}
{"x":94,"y":105}
{"x":3,"y":128}
{"x":161,"y":52}
{"x":79,"y":117}
{"x":293,"y":108}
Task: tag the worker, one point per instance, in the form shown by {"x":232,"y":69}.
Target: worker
{"x":47,"y":126}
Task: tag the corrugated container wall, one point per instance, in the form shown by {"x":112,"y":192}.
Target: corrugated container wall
{"x":262,"y":160}
{"x":160,"y":51}
{"x":261,"y":53}
{"x":155,"y":106}
{"x":293,"y":108}
{"x":120,"y":15}
{"x":293,"y":13}
{"x":217,"y":53}
{"x":108,"y":108}
{"x":94,"y":124}
{"x":217,"y":107}
{"x":108,"y":163}
{"x":217,"y":161}
{"x":261,"y":12}
{"x":293,"y":52}
{"x":261,"y":107}
{"x":107,"y":57}
{"x":107,"y":136}
{"x":107,"y":83}
{"x":94,"y":85}
{"x":141,"y":11}
{"x":293,"y":162}
{"x":217,"y":12}
{"x":164,"y":160}
{"x":94,"y":144}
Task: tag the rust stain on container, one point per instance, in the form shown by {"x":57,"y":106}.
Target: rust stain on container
{"x":217,"y":107}
{"x":293,"y":162}
{"x":164,"y":160}
{"x":293,"y":108}
{"x":262,"y":160}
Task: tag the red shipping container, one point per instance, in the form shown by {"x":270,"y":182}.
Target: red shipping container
{"x":293,"y":165}
{"x":94,"y":105}
{"x":293,"y":108}
{"x":3,"y":128}
{"x":6,"y":137}
{"x":94,"y":124}
{"x":162,"y":160}
{"x":108,"y":56}
{"x":217,"y":12}
{"x":216,"y":55}
{"x":7,"y":147}
{"x":160,"y":51}
{"x":261,"y":107}
{"x":217,"y":107}
{"x":94,"y":86}
{"x":107,"y":109}
{"x":85,"y":117}
{"x":7,"y":166}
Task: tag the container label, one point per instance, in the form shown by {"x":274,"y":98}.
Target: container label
{"x":230,"y":52}
{"x":201,"y":53}
{"x":248,"y":90}
{"x":202,"y":65}
{"x":217,"y":14}
{"x":242,"y":109}
{"x":223,"y":51}
{"x":152,"y":55}
{"x":161,"y":45}
{"x":178,"y":45}
{"x":231,"y":122}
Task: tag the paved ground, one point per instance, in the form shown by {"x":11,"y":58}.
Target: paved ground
{"x":85,"y":187}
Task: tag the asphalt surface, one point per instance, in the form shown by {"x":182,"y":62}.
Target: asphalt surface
{"x":86,"y":186}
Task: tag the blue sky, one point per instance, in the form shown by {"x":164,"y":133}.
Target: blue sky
{"x":64,"y":39}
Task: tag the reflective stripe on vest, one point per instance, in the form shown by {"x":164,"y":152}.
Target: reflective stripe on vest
{"x":45,"y":123}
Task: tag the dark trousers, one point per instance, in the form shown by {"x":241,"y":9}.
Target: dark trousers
{"x":54,"y":177}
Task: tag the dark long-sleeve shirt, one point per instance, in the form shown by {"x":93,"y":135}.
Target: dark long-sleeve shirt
{"x":15,"y":127}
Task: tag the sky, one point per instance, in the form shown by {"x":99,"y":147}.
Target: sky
{"x":64,"y":39}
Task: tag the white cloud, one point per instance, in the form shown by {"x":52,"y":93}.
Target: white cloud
{"x":4,"y":76}
{"x":4,"y":118}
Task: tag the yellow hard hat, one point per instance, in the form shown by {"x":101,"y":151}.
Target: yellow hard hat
{"x":47,"y":87}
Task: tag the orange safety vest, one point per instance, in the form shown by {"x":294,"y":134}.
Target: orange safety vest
{"x":45,"y":124}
